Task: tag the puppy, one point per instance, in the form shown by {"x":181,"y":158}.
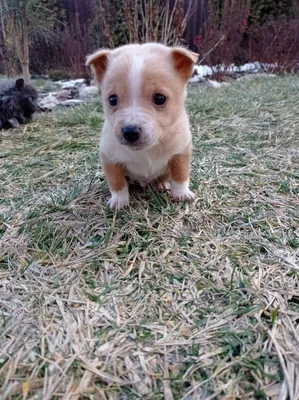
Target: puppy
{"x":146,"y":134}
{"x":18,"y":103}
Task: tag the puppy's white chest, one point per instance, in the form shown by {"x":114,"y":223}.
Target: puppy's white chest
{"x":144,"y":167}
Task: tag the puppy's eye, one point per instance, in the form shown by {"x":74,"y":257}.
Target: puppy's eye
{"x":113,"y":100}
{"x":159,"y":99}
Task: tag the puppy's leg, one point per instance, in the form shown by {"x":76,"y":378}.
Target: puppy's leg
{"x":13,"y":123}
{"x":21,"y":119}
{"x":180,"y":170}
{"x":117,"y":184}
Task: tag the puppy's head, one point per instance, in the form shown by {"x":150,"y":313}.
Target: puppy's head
{"x":143,"y":89}
{"x":25,"y":98}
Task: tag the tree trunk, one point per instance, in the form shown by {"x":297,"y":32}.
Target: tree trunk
{"x":4,"y":54}
{"x":105,"y":17}
{"x":25,"y":61}
{"x":3,"y":42}
{"x":21,"y":39}
{"x":25,"y":71}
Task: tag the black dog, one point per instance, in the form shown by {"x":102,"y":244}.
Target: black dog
{"x":18,"y":103}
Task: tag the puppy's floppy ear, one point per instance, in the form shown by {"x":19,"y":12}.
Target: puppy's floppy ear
{"x":20,"y":83}
{"x":98,"y":62}
{"x":184,"y":61}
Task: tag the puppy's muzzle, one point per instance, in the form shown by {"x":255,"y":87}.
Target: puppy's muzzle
{"x":131,"y":134}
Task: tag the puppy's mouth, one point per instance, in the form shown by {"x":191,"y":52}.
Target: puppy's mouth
{"x":139,"y":145}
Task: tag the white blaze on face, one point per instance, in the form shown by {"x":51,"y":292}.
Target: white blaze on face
{"x":135,"y":110}
{"x":135,"y":81}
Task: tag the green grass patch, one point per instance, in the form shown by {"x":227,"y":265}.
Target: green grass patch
{"x":161,"y":300}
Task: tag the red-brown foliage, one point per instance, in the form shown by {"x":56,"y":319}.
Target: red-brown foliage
{"x":224,"y":32}
{"x":230,"y":37}
{"x":276,"y":43}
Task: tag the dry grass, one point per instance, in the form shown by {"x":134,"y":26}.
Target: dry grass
{"x":161,"y":301}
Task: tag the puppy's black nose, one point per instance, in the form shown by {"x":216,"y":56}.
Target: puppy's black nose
{"x":131,"y":133}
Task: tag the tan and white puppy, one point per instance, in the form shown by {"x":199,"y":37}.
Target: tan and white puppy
{"x":146,"y":134}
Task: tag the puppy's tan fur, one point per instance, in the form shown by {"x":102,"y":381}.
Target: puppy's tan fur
{"x":135,"y":73}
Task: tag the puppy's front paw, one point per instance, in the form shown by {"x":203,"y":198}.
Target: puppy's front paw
{"x":13,"y":123}
{"x":119,"y":199}
{"x":181,"y":191}
{"x":188,"y":196}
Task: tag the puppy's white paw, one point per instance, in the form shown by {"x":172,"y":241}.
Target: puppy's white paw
{"x":119,"y":199}
{"x":181,"y":191}
{"x":188,"y":196}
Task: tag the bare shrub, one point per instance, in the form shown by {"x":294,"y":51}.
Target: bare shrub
{"x":65,"y":53}
{"x":276,"y":44}
{"x":75,"y":43}
{"x":113,"y":24}
{"x":145,"y":21}
{"x":224,"y":32}
{"x":230,"y":36}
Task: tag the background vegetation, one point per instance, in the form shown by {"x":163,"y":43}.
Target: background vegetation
{"x":53,"y":37}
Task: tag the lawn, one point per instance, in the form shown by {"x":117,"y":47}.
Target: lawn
{"x":160,"y":301}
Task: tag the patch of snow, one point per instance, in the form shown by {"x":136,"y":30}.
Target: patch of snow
{"x":203,"y":70}
{"x":70,"y":84}
{"x":88,"y":92}
{"x":71,"y":103}
{"x":253,"y":67}
{"x":195,"y":79}
{"x":248,"y":67}
{"x":269,"y":67}
{"x":215,"y":84}
{"x":49,"y":102}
